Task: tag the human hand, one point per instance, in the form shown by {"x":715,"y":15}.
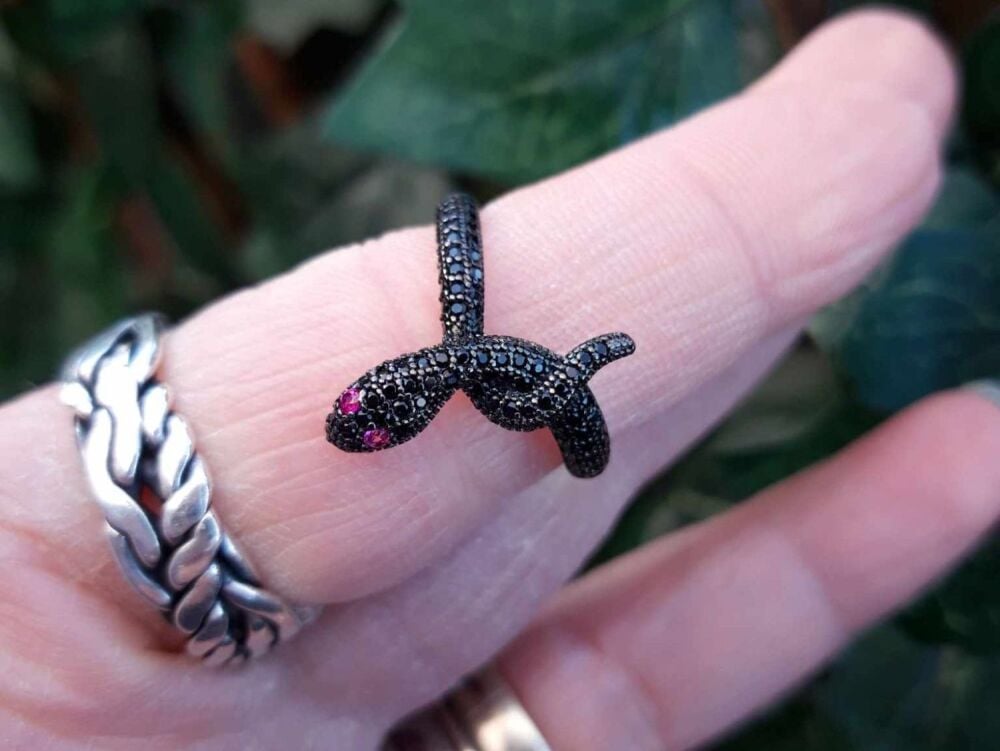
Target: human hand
{"x":711,"y":244}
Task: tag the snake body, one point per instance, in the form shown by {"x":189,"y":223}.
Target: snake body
{"x":514,"y":383}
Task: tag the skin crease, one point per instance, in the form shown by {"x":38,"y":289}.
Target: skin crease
{"x":719,"y":238}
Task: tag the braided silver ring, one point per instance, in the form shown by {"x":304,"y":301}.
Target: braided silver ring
{"x":153,"y":487}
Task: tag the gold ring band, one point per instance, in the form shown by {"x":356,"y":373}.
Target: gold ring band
{"x":480,"y":714}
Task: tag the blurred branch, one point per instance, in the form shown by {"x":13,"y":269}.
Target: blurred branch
{"x":267,"y":74}
{"x":959,"y":19}
{"x":793,"y":19}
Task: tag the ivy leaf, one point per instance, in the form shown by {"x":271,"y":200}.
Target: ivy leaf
{"x":797,"y":416}
{"x":285,"y":25}
{"x":930,"y":319}
{"x":927,"y":321}
{"x":118,"y":88}
{"x":198,"y":238}
{"x":19,"y":165}
{"x":195,"y":43}
{"x":61,"y":275}
{"x":886,"y":693}
{"x":88,"y":277}
{"x":915,"y":696}
{"x":63,"y":31}
{"x":964,"y":609}
{"x":981,"y":93}
{"x":308,"y":196}
{"x":522,"y":89}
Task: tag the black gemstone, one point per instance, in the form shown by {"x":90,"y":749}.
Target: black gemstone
{"x":390,"y":391}
{"x":545,"y":402}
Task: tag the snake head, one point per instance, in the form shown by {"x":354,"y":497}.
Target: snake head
{"x":392,"y":402}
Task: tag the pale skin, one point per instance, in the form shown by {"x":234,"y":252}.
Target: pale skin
{"x":711,"y":244}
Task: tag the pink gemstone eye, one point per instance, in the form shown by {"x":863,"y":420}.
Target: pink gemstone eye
{"x":376,"y":438}
{"x":350,"y":402}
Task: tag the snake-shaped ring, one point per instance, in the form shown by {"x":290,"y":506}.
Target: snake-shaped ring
{"x":517,"y":384}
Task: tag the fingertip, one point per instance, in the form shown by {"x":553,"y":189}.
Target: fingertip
{"x":884,"y":48}
{"x":958,"y":447}
{"x":912,"y":498}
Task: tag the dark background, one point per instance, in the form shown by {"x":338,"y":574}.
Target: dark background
{"x":157,"y":154}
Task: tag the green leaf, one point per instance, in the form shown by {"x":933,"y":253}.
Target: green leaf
{"x":198,"y":238}
{"x":891,"y":693}
{"x":62,"y":31}
{"x":61,"y":275}
{"x":309,"y":196}
{"x":930,"y":319}
{"x":887,"y":693}
{"x":522,"y":89}
{"x":285,"y":25}
{"x":964,"y":609}
{"x":796,"y":417}
{"x":118,"y":86}
{"x":797,"y":725}
{"x":19,"y":166}
{"x":981,"y":93}
{"x":195,"y":43}
{"x":87,"y":267}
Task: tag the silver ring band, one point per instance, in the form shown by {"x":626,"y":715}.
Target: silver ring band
{"x":153,"y":487}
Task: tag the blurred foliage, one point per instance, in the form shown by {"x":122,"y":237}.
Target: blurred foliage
{"x":930,"y":318}
{"x":155,"y":154}
{"x":474,"y":92}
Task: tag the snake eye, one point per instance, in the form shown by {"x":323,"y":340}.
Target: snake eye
{"x":376,"y":438}
{"x":350,"y":401}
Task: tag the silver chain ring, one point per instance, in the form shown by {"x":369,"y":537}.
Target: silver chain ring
{"x":153,"y":487}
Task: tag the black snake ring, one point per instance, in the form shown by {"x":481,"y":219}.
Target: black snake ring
{"x":517,"y":384}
